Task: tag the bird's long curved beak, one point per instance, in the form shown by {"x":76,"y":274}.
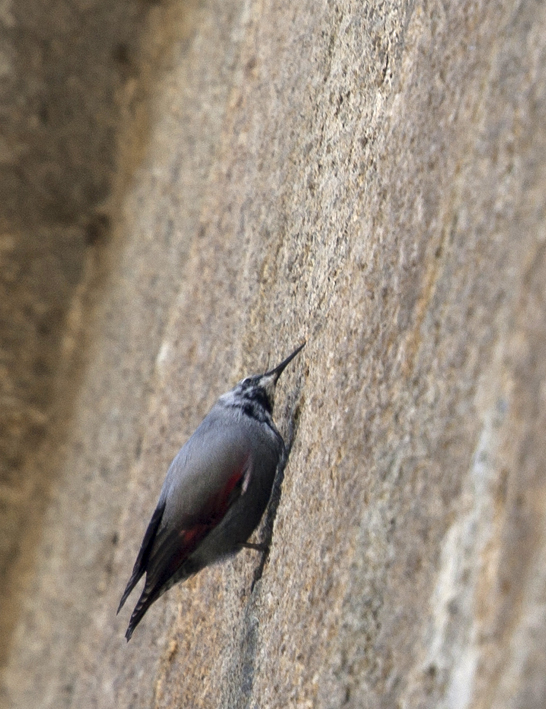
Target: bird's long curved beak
{"x":279,"y":369}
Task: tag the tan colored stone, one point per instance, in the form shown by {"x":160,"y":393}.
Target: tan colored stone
{"x":370,"y":177}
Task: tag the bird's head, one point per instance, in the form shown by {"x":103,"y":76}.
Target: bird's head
{"x":259,"y":389}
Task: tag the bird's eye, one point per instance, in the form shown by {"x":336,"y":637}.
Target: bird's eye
{"x":246,"y":381}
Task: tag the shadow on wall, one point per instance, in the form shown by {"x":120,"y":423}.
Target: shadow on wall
{"x":70,"y":69}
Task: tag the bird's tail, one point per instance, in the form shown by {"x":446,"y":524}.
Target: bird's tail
{"x":141,"y":562}
{"x":144,"y":602}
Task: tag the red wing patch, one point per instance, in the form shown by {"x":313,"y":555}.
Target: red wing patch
{"x":211,"y":515}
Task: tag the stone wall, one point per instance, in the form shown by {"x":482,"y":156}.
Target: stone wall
{"x":370,"y":177}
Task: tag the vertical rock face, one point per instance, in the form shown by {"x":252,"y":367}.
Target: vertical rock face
{"x":370,"y":177}
{"x":59,"y":75}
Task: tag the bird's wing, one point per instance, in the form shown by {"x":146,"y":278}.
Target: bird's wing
{"x":172,"y":546}
{"x":144,"y":554}
{"x":174,"y":543}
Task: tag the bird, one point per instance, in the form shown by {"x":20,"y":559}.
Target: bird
{"x":215,"y":491}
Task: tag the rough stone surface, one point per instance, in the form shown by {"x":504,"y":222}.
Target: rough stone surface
{"x":63,"y":65}
{"x":372,"y":177}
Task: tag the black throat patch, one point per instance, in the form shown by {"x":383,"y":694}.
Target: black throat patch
{"x":258,"y":398}
{"x":256,"y":405}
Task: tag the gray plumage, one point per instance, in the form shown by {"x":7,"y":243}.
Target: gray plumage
{"x":215,"y":492}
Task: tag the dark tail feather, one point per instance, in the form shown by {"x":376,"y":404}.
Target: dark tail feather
{"x":135,"y":578}
{"x":144,"y":553}
{"x":156,"y":585}
{"x":144,"y":602}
